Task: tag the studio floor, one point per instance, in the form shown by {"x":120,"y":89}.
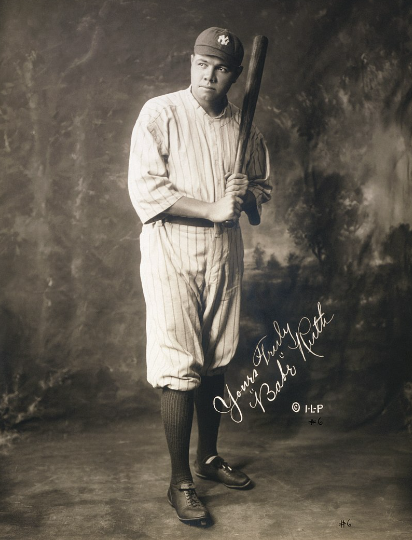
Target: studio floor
{"x":109,"y":481}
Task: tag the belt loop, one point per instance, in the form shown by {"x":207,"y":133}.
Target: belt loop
{"x":160,"y":222}
{"x":218,"y":227}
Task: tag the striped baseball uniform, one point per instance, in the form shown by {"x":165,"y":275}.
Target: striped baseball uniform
{"x":191,"y":275}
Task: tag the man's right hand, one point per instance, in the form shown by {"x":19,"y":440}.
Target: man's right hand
{"x":228,"y":208}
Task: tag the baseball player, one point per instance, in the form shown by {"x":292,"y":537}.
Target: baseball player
{"x":181,"y":184}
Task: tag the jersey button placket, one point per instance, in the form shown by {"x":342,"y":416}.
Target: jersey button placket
{"x":214,"y":127}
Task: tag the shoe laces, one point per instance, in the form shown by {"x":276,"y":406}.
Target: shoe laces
{"x":191,"y":497}
{"x":221,"y":464}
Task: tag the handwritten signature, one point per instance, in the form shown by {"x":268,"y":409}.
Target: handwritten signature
{"x":303,"y":340}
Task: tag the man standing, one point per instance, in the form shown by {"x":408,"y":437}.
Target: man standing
{"x":181,"y":184}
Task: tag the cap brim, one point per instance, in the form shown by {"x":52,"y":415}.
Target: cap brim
{"x":212,"y":51}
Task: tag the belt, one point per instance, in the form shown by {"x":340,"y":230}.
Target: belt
{"x":193,"y":222}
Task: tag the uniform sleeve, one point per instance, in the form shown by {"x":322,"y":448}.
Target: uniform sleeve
{"x":258,"y":171}
{"x":150,"y":189}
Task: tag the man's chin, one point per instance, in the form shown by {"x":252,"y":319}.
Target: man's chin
{"x":208,"y":93}
{"x":205,"y":95}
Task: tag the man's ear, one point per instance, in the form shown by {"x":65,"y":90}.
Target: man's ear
{"x":192,"y":57}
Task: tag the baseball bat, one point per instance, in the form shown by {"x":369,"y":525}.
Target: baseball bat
{"x":254,"y":78}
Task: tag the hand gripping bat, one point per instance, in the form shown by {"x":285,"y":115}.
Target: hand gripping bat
{"x":254,"y":77}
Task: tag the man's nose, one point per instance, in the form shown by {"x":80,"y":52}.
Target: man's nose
{"x":209,"y":74}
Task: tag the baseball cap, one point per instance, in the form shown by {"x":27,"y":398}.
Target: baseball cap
{"x":220,"y":42}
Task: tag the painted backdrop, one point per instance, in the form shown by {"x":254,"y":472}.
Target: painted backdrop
{"x":335,"y":244}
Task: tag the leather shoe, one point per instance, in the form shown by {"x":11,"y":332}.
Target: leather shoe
{"x":183,"y":498}
{"x":220,"y":471}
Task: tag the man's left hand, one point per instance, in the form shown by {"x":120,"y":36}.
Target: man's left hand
{"x":236,"y":183}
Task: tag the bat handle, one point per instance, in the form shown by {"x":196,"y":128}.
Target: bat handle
{"x":238,"y":168}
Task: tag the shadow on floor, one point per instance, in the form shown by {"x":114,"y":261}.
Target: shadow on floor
{"x":66,"y":481}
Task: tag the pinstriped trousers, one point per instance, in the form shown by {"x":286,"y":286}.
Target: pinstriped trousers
{"x":191,"y":278}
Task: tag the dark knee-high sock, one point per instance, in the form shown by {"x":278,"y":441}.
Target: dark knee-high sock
{"x":177,"y":415}
{"x":208,"y":419}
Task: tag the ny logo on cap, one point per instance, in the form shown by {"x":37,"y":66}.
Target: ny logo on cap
{"x":224,"y":40}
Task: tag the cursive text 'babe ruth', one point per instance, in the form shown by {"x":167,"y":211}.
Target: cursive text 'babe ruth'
{"x":303,"y":340}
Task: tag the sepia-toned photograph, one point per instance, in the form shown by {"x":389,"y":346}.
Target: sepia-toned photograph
{"x":206,"y":269}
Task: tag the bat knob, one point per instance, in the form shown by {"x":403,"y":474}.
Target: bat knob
{"x":229,"y":224}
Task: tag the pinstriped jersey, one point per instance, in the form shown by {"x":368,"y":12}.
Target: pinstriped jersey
{"x":178,"y":150}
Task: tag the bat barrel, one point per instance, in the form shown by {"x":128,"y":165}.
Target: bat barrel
{"x":254,"y":78}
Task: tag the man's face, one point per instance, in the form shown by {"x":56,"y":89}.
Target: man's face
{"x":211,"y":79}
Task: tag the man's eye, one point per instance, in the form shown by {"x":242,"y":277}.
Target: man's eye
{"x":223,"y":69}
